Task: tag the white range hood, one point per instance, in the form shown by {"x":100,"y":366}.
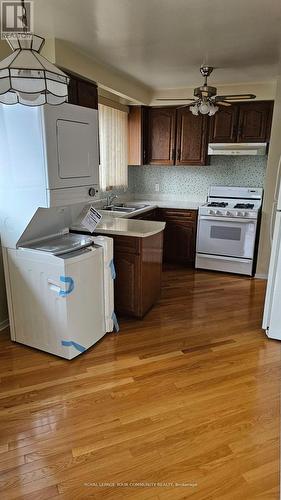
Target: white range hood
{"x":238,"y":149}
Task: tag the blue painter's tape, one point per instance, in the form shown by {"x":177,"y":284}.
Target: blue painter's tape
{"x":115,"y":322}
{"x":70,"y":282}
{"x":112,"y":267}
{"x":69,"y":343}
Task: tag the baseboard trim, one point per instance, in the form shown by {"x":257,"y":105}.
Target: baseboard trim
{"x":4,"y":324}
{"x":261,"y":276}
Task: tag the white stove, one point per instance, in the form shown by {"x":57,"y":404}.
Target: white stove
{"x":236,"y":202}
{"x":227,"y":229}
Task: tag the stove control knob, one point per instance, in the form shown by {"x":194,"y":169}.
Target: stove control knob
{"x":227,"y":213}
{"x":237,"y":214}
{"x":210,"y":212}
{"x":243,"y":214}
{"x":217,"y":212}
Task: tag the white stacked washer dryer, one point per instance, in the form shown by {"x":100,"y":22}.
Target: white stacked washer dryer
{"x":59,"y":285}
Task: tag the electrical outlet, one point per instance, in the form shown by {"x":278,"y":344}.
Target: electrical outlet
{"x":157,"y":188}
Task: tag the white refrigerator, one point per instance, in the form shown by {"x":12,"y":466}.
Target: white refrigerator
{"x":272,"y":310}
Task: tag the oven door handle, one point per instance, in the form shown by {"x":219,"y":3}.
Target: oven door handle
{"x":226,"y":219}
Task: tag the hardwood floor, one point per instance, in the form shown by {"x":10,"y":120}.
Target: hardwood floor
{"x":189,"y":395}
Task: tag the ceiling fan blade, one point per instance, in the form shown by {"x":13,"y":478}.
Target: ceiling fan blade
{"x":186,"y":105}
{"x":223,"y":103}
{"x":234,"y":97}
{"x":173,"y":99}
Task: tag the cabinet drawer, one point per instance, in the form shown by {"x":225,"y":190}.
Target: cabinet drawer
{"x":178,"y":214}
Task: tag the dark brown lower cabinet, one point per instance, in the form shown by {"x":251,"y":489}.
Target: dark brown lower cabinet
{"x":179,"y":245}
{"x":148,"y":215}
{"x":179,"y":235}
{"x":138,"y":264}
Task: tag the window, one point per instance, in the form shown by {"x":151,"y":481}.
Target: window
{"x":113,"y":130}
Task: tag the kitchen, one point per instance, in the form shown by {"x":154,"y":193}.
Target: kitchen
{"x":186,"y":377}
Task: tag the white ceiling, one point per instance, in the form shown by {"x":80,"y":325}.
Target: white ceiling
{"x":162,"y":43}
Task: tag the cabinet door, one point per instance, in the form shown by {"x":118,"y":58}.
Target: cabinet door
{"x":87,"y":94}
{"x":179,"y":235}
{"x":191,"y":138}
{"x":179,"y":242}
{"x":161,"y":136}
{"x":137,"y":135}
{"x":254,"y":121}
{"x":223,"y":125}
{"x":127,"y":283}
{"x":72,"y":91}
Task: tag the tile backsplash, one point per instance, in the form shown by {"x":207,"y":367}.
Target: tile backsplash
{"x":192,"y":182}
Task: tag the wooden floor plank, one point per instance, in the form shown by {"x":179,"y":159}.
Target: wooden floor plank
{"x":188,"y":395}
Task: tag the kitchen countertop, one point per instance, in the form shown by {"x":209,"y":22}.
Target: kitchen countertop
{"x":151,"y":204}
{"x":180,"y":204}
{"x":125,"y":227}
{"x":119,"y":223}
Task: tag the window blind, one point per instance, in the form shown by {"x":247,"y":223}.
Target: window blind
{"x":113,"y":132}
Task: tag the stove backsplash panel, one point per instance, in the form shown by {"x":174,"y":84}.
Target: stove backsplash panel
{"x":193,"y":182}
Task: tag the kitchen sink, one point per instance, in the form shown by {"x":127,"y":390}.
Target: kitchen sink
{"x":124,"y":207}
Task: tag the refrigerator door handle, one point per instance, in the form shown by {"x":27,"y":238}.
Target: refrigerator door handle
{"x":276,"y":191}
{"x":271,"y":226}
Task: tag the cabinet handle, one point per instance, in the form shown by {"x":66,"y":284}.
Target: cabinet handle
{"x":144,"y":156}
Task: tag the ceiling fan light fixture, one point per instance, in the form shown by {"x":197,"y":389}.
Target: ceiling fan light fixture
{"x":204,"y":107}
{"x":205,"y":100}
{"x":194,"y":110}
{"x":213,"y":109}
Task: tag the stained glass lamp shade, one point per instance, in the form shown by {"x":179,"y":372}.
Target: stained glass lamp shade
{"x":26,"y":77}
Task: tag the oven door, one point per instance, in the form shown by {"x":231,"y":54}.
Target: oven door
{"x":223,"y":236}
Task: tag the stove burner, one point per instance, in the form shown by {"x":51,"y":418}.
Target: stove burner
{"x":221,"y":204}
{"x":244,"y":205}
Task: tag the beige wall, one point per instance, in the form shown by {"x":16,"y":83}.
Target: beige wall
{"x":68,"y":57}
{"x":3,"y":302}
{"x":270,"y":182}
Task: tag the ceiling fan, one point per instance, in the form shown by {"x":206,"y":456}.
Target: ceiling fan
{"x":206,"y":100}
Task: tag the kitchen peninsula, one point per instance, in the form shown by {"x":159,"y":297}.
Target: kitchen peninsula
{"x":138,"y":253}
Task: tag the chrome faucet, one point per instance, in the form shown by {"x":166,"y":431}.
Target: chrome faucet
{"x":110,"y":198}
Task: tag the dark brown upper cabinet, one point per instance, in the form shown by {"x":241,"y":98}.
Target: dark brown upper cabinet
{"x":170,"y":136}
{"x":87,"y":94}
{"x":72,"y":90}
{"x":137,"y":135}
{"x":161,"y":136}
{"x":223,"y":125}
{"x":82,"y":92}
{"x":242,"y":122}
{"x":191,"y":138}
{"x":254,"y":123}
